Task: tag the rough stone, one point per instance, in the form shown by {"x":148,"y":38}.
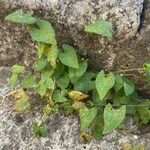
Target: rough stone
{"x":16,"y":134}
{"x":129,"y":48}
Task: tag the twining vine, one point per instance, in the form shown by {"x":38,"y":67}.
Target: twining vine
{"x":60,"y":77}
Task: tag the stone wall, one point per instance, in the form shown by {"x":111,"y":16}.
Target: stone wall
{"x":129,"y":48}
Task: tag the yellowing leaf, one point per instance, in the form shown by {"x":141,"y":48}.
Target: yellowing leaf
{"x":77,"y":105}
{"x":40,"y":48}
{"x":52,"y":55}
{"x":21,"y":105}
{"x":77,"y":96}
{"x":22,"y":102}
{"x":113,"y":117}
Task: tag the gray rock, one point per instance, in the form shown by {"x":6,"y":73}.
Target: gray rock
{"x":129,"y":47}
{"x":63,"y":132}
{"x":69,"y":18}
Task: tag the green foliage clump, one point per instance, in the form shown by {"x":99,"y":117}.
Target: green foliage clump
{"x":60,"y":77}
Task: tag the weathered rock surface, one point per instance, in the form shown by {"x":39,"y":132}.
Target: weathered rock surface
{"x":69,"y":18}
{"x":15,"y":129}
{"x":129,"y":47}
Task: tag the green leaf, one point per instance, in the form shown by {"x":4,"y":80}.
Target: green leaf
{"x":46,"y":74}
{"x":68,"y":56}
{"x":18,"y":69}
{"x":13,"y":80}
{"x":129,"y":86}
{"x":96,"y":100}
{"x":44,"y":33}
{"x":63,"y":81}
{"x":67,"y":108}
{"x":59,"y":70}
{"x":118,"y":83}
{"x":75,"y":74}
{"x":52,"y":55}
{"x":39,"y":129}
{"x":85,"y":83}
{"x":147,"y":70}
{"x":86,"y":117}
{"x":29,"y":81}
{"x":58,"y":97}
{"x":40,"y":64}
{"x":47,"y":110}
{"x":100,"y":27}
{"x":104,"y":83}
{"x":20,"y":17}
{"x":144,"y":112}
{"x":50,"y":84}
{"x":113,"y":117}
{"x":97,"y":126}
{"x":41,"y":89}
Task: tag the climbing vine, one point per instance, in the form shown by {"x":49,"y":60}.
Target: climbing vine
{"x":61,"y":78}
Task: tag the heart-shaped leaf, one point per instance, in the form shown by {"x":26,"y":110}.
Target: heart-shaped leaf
{"x":86,"y":82}
{"x":104,"y":83}
{"x":58,"y":97}
{"x":129,"y":86}
{"x":44,"y":33}
{"x":41,"y":89}
{"x":113,"y":117}
{"x":118,"y":83}
{"x":86,"y":117}
{"x":63,"y":81}
{"x":75,"y":74}
{"x":40,"y":64}
{"x":20,"y":17}
{"x":68,"y":56}
{"x":29,"y":81}
{"x":100,"y":27}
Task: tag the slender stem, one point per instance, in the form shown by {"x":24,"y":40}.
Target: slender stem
{"x":129,"y":70}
